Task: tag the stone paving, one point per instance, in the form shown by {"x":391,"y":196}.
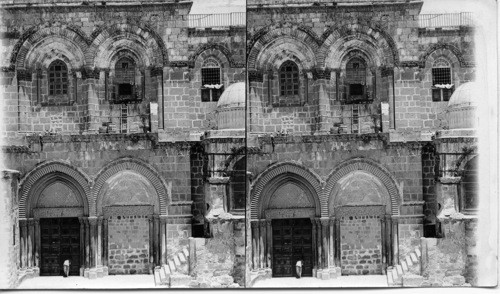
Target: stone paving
{"x":372,"y":281}
{"x":77,"y":282}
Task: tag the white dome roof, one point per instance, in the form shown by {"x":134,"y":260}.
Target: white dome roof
{"x":464,"y":95}
{"x":233,"y":96}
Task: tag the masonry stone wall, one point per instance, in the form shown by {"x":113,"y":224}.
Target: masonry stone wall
{"x":9,"y":230}
{"x":361,"y":245}
{"x":128,"y":245}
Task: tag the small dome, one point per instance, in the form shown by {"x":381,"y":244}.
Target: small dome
{"x":464,"y":95}
{"x":461,"y":110}
{"x":234,"y":95}
{"x":231,"y":108}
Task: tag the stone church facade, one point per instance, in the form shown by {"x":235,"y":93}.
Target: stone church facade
{"x":348,"y":106}
{"x":115,"y":118}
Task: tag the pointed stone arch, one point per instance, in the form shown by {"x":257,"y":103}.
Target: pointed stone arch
{"x":277,"y":175}
{"x":47,"y":173}
{"x":373,"y":41}
{"x":144,"y":42}
{"x":60,"y":41}
{"x":219,"y":51}
{"x":367,"y":166}
{"x":138,"y":166}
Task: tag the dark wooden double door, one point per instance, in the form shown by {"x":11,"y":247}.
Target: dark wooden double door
{"x":292,"y":240}
{"x":60,"y":240}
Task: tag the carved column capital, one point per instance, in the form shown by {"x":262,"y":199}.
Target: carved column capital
{"x":92,"y":220}
{"x":254,"y":224}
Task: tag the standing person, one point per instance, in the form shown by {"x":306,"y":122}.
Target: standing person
{"x":298,"y":268}
{"x":66,"y":265}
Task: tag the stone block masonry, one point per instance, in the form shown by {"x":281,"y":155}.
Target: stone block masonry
{"x":128,"y":245}
{"x":361,"y":245}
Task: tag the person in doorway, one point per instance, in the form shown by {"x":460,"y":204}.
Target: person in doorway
{"x":66,"y":265}
{"x":298,"y":268}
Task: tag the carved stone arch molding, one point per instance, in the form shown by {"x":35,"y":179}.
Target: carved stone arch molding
{"x":373,"y":41}
{"x":130,"y":164}
{"x":449,"y":51}
{"x":299,"y":42}
{"x":277,"y":175}
{"x":367,"y":166}
{"x":219,"y":51}
{"x":60,"y":42}
{"x":47,"y":173}
{"x":142,"y":41}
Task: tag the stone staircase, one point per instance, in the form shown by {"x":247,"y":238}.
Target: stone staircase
{"x":175,"y":273}
{"x":408,"y":266}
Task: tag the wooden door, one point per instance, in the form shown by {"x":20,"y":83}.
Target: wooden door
{"x":60,"y":240}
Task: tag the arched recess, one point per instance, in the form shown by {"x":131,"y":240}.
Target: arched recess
{"x":369,"y":169}
{"x":218,"y":51}
{"x":144,"y":43}
{"x":448,"y":51}
{"x":46,"y":174}
{"x":40,"y":46}
{"x":375,"y":43}
{"x":49,"y":44}
{"x":273,"y":178}
{"x":282,"y":42}
{"x":137,"y":166}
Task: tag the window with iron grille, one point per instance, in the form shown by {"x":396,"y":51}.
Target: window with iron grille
{"x":58,"y":78}
{"x":237,"y":193}
{"x":211,"y":84}
{"x":289,"y":79}
{"x":442,"y":86}
{"x":356,"y":80}
{"x":469,"y":187}
{"x":124,"y":80}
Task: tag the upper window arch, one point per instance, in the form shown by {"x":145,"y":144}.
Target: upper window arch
{"x":442,"y":84}
{"x":289,"y":79}
{"x":58,"y":78}
{"x":211,"y":81}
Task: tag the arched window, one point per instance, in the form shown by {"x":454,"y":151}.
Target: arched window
{"x":211,"y":83}
{"x":442,"y":86}
{"x":237,"y":185}
{"x":469,"y":187}
{"x":356,"y":80}
{"x":58,"y":78}
{"x":289,"y":79}
{"x":125,"y":80}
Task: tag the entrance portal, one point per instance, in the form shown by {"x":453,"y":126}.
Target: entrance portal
{"x":60,"y":240}
{"x":292,"y":240}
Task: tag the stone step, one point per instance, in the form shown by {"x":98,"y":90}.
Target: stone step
{"x":177,"y":261}
{"x":399,"y":270}
{"x":394,"y":275}
{"x":390,"y":280}
{"x":163,"y":276}
{"x":157,"y":277}
{"x":404,"y":266}
{"x":171,"y":265}
{"x":413,"y":257}
{"x":417,"y":252}
{"x":182,"y":258}
{"x":185,"y":251}
{"x":166,"y":269}
{"x":409,"y":261}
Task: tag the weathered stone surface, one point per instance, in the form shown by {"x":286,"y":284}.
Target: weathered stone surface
{"x":412,"y":280}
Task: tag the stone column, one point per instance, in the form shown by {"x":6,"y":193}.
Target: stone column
{"x":87,"y":246}
{"x":105,"y":250}
{"x":37,"y":242}
{"x":325,"y":227}
{"x":269,"y":242}
{"x":262,"y":234}
{"x":255,"y":244}
{"x":315,"y":250}
{"x":337,"y":243}
{"x":319,"y":243}
{"x":82,"y":245}
{"x":156,"y":235}
{"x":99,"y":242}
{"x":388,"y":242}
{"x":151,"y":242}
{"x":382,"y":237}
{"x":163,"y":239}
{"x":93,"y":241}
{"x":395,"y":241}
{"x":331,"y":247}
{"x":30,"y":239}
{"x":23,"y":227}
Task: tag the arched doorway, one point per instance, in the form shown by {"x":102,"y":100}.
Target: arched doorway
{"x":285,"y":216}
{"x":362,"y":202}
